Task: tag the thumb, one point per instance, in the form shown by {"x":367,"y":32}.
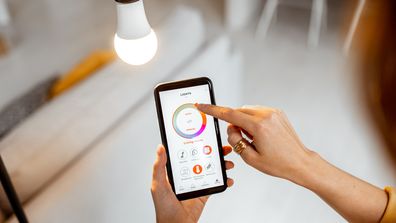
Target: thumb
{"x":159,"y":169}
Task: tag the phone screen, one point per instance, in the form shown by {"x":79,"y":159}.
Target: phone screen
{"x":192,"y":140}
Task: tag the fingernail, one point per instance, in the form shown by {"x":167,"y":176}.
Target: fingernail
{"x":159,"y":148}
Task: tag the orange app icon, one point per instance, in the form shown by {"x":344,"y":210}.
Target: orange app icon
{"x":197,"y":169}
{"x":207,"y":150}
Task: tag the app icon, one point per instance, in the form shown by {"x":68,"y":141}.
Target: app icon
{"x":209,"y":167}
{"x":194,"y":152}
{"x":184,"y":172}
{"x":207,"y":150}
{"x":182,"y":154}
{"x":197,"y":169}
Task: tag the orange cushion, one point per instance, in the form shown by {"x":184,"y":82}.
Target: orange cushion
{"x":87,"y":67}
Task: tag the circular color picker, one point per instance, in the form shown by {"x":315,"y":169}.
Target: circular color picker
{"x":180,"y":111}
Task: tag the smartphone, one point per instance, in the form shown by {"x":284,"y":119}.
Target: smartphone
{"x":191,"y":138}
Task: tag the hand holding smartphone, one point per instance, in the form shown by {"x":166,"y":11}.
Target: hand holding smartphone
{"x":191,"y":138}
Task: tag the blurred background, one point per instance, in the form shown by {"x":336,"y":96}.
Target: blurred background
{"x":78,"y":128}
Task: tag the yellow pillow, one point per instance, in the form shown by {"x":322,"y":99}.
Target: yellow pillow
{"x":80,"y":72}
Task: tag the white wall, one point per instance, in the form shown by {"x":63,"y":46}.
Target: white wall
{"x":239,"y":13}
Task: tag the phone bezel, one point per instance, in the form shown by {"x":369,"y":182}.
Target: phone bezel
{"x":184,"y":84}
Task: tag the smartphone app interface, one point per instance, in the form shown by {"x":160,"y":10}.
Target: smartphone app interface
{"x":192,"y":141}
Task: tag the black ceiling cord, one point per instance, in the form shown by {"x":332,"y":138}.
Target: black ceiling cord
{"x":11,"y":194}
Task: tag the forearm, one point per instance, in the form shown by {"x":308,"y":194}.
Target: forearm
{"x":354,"y":199}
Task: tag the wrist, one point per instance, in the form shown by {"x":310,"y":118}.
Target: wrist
{"x":309,"y":168}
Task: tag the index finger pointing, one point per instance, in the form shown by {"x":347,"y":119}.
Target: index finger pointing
{"x":229,"y":115}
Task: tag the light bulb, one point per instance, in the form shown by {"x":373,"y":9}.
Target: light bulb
{"x":135,"y":42}
{"x":136,"y":51}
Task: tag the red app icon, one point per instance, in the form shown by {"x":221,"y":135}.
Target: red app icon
{"x":207,"y":150}
{"x":197,"y":169}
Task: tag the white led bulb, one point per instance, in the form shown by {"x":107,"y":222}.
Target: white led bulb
{"x":135,"y":42}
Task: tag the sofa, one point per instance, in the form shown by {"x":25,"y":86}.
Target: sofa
{"x":87,"y":155}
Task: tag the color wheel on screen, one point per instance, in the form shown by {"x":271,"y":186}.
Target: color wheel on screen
{"x":188,"y":122}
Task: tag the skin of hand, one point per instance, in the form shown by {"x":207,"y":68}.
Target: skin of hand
{"x":277,"y":150}
{"x":167,"y":207}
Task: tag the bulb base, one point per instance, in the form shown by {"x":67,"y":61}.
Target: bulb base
{"x":126,"y":1}
{"x":131,"y":19}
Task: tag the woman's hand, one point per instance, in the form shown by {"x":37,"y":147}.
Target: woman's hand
{"x":276,"y":148}
{"x":277,"y":151}
{"x":167,"y":207}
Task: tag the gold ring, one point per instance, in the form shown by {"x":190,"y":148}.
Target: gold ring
{"x":240,"y":146}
